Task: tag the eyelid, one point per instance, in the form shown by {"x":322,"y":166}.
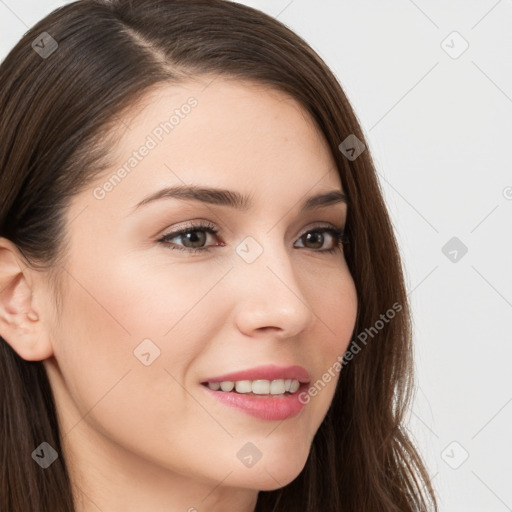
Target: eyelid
{"x":320,"y":224}
{"x":191,"y":226}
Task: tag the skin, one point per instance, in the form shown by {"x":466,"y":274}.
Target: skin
{"x":142,"y":437}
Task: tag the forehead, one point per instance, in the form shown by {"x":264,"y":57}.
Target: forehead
{"x":221,"y":110}
{"x":219,"y":132}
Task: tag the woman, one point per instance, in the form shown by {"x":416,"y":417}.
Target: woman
{"x":261,"y":364}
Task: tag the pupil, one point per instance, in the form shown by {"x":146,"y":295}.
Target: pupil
{"x":192,"y":236}
{"x":318,"y":236}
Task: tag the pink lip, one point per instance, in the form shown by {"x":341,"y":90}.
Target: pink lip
{"x":264,"y":407}
{"x":267,"y":372}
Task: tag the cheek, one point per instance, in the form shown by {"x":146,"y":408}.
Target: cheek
{"x":117,"y":318}
{"x":333,"y":300}
{"x":335,"y":307}
{"x":344,"y":319}
{"x":109,"y":388}
{"x":131,"y":300}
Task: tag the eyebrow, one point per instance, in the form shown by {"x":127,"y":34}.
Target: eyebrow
{"x":236,"y":200}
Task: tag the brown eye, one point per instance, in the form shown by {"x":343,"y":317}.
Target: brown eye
{"x":315,"y":238}
{"x":193,"y":238}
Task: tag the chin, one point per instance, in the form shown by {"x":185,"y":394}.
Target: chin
{"x":269,"y":476}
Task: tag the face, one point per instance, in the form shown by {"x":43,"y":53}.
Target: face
{"x":150,"y":316}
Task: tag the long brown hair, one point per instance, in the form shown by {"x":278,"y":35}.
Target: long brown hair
{"x":59,"y":101}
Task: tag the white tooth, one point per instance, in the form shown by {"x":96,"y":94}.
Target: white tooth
{"x":294,"y":386}
{"x":243,"y":386}
{"x":227,"y":385}
{"x":260,"y":387}
{"x":277,"y":387}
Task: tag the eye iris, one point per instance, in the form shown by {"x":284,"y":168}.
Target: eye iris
{"x":319,"y":238}
{"x":192,"y":236}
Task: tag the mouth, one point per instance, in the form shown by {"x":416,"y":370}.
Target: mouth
{"x":269,"y":392}
{"x":272,"y":405}
{"x":265,"y":380}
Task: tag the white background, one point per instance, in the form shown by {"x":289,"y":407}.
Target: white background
{"x":440,"y":131}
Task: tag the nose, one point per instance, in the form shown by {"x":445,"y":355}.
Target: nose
{"x":268,"y":296}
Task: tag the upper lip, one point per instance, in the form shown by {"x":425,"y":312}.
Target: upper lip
{"x":266,"y":372}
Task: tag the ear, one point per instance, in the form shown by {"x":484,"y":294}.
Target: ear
{"x":20,"y":324}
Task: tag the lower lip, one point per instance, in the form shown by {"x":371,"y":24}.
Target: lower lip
{"x":265,"y":407}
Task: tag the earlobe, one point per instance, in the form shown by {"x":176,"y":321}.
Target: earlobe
{"x":20,"y":324}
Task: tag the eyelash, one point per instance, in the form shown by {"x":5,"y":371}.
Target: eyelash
{"x":337,"y":233}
